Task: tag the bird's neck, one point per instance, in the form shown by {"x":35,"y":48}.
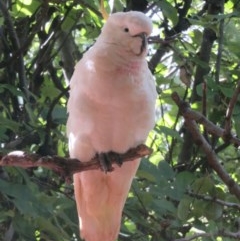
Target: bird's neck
{"x":131,"y":67}
{"x":126,"y":62}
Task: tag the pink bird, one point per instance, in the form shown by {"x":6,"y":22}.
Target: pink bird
{"x":111,"y":108}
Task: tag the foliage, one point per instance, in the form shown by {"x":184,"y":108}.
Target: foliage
{"x":176,"y":195}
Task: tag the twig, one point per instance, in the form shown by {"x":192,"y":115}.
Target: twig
{"x":213,"y":199}
{"x":190,"y":114}
{"x":230,"y":108}
{"x":66,"y":167}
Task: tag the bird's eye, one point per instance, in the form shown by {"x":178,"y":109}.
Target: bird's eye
{"x":126,"y":30}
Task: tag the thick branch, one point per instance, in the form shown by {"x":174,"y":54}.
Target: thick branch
{"x":66,"y":167}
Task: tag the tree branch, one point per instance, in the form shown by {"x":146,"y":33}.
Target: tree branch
{"x":212,"y":158}
{"x":66,"y":167}
{"x":190,"y":114}
{"x":214,"y":199}
{"x":16,"y":45}
{"x":191,"y":117}
{"x":230,"y":108}
{"x":202,"y":69}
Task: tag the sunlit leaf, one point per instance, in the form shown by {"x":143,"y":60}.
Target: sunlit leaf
{"x":169,"y":11}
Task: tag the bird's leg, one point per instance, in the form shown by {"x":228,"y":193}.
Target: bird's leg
{"x":106,"y":160}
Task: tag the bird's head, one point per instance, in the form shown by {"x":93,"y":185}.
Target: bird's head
{"x":128,"y":32}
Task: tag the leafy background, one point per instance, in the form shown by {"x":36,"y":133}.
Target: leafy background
{"x":176,"y":195}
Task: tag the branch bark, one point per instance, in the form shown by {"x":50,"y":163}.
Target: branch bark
{"x":66,"y":167}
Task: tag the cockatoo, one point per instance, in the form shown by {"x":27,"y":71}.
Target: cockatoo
{"x":111,"y":108}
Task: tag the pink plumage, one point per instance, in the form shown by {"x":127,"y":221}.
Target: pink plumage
{"x":111,"y":108}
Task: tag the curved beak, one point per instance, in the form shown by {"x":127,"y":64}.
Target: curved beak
{"x":143,"y":36}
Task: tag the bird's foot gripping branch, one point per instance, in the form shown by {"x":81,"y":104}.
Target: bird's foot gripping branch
{"x":106,"y":160}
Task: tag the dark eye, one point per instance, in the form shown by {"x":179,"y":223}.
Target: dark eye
{"x":126,"y":30}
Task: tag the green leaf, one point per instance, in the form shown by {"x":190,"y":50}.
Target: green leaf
{"x":59,"y":114}
{"x":198,"y":208}
{"x":184,"y":208}
{"x":23,"y":197}
{"x":6,"y":123}
{"x":184,"y":180}
{"x":168,"y":132}
{"x":164,"y":205}
{"x":71,"y":19}
{"x":25,"y":7}
{"x":131,"y":227}
{"x":165,"y":170}
{"x":22,"y":226}
{"x":14,"y":90}
{"x":148,"y":170}
{"x":213,"y":210}
{"x":203,"y":185}
{"x":168,"y":10}
{"x":146,"y":175}
{"x":181,"y":184}
{"x":49,"y":230}
{"x":227,"y":91}
{"x":237,"y":124}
